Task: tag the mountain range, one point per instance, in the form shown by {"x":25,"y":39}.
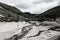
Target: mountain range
{"x":11,"y":14}
{"x":46,"y":23}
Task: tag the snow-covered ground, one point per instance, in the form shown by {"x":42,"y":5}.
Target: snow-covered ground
{"x":9,"y":29}
{"x":8,"y":26}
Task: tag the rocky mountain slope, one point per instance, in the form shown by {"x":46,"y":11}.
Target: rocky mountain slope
{"x":11,"y":13}
{"x":7,"y":15}
{"x":50,"y":14}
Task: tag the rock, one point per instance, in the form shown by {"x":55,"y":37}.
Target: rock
{"x":56,"y":37}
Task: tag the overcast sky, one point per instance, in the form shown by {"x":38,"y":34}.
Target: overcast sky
{"x":33,"y":6}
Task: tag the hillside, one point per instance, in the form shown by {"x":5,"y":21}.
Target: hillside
{"x":11,"y":13}
{"x":53,"y":13}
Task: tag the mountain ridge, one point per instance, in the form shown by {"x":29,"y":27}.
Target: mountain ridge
{"x":14,"y":14}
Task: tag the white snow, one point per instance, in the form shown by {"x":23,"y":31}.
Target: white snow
{"x":8,"y":26}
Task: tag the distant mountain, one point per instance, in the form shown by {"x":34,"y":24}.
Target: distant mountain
{"x":49,"y":14}
{"x":9,"y":14}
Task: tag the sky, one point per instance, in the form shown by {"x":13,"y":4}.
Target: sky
{"x":32,"y":6}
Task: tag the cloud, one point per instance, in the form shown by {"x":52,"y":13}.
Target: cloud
{"x":33,"y":6}
{"x":40,"y":1}
{"x":41,"y":7}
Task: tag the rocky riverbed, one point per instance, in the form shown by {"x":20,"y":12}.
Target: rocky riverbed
{"x":26,"y":31}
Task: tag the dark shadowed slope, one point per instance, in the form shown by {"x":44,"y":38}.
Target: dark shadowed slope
{"x":10,"y":8}
{"x":49,"y":14}
{"x":11,"y":13}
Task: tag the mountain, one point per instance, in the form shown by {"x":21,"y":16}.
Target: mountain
{"x":11,"y":13}
{"x":53,"y":13}
{"x":10,"y":8}
{"x":49,"y":15}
